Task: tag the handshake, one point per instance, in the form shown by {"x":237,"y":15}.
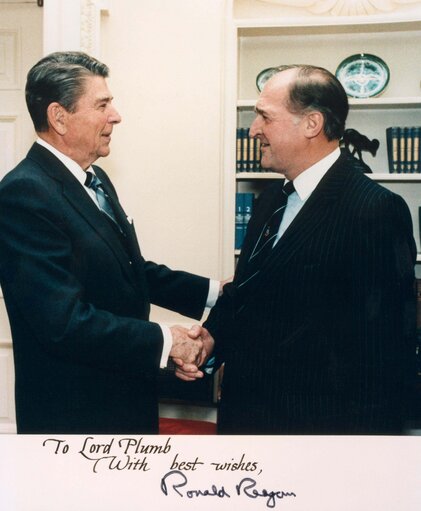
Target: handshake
{"x":190,"y":350}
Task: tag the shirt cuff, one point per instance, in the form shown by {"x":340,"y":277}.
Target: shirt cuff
{"x":213,"y":294}
{"x":166,"y":348}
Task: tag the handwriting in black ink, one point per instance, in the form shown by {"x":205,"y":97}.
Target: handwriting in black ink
{"x":176,"y":480}
{"x":136,"y":446}
{"x":237,"y":465}
{"x":247,"y":487}
{"x":59,"y":448}
{"x":185,"y":465}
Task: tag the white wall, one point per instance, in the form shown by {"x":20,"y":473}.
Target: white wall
{"x":166,"y":61}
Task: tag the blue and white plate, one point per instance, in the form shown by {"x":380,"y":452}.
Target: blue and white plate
{"x":363,"y":75}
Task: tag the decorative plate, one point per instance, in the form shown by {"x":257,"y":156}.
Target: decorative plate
{"x":264,"y":76}
{"x":363,"y":75}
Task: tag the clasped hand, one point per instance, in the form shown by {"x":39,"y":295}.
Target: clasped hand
{"x":190,"y":350}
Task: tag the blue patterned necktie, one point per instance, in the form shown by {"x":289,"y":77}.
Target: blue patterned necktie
{"x":267,"y":236}
{"x":93,"y":182}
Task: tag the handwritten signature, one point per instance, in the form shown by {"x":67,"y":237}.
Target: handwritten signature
{"x":175,"y":482}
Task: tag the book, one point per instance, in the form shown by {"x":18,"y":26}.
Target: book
{"x":251,"y":159}
{"x":393,"y":148}
{"x":403,"y":149}
{"x":248,"y":210}
{"x":243,"y":210}
{"x":239,"y":150}
{"x":257,"y":155}
{"x":245,"y":150}
{"x":239,"y":220}
{"x":406,"y":164}
{"x":416,"y":145}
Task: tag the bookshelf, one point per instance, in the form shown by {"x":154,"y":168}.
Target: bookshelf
{"x":256,"y":43}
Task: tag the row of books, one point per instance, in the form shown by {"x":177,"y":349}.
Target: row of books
{"x":248,"y":152}
{"x":243,"y":210}
{"x":403,"y":149}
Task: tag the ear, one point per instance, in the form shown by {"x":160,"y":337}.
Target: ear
{"x":57,"y":115}
{"x":314,"y":123}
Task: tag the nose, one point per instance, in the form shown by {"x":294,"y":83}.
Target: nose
{"x":114,"y":117}
{"x":255,"y":128}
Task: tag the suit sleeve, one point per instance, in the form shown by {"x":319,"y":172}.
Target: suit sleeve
{"x":178,"y":291}
{"x":42,"y":291}
{"x":379,"y":315}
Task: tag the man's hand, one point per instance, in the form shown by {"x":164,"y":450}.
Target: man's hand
{"x":186,"y":349}
{"x":190,"y":372}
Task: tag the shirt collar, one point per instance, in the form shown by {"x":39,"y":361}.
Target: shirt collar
{"x":70,"y":164}
{"x":306,"y":182}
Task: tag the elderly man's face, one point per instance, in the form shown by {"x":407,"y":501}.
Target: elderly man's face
{"x":280,"y":132}
{"x":89,"y":128}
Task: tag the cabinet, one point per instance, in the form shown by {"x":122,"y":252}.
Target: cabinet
{"x":261,"y":43}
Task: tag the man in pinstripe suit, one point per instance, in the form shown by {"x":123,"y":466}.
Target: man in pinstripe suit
{"x":317,"y":337}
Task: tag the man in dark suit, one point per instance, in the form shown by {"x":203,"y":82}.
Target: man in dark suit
{"x":317,"y":334}
{"x":76,"y":287}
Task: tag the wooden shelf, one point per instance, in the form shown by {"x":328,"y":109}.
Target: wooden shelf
{"x":252,"y":176}
{"x":385,"y":176}
{"x":376,"y":176}
{"x":377,"y":103}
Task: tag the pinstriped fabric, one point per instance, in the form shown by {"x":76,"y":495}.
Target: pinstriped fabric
{"x":264,"y":244}
{"x":320,"y":345}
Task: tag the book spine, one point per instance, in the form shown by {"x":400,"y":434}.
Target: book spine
{"x":252,"y":157}
{"x":245,"y":151}
{"x":239,"y":150}
{"x":248,"y":210}
{"x":416,"y":145}
{"x":392,"y":139}
{"x":407,"y":164}
{"x":239,"y":220}
{"x":401,"y":150}
{"x":257,"y":155}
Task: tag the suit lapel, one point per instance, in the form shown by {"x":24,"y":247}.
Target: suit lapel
{"x":312,"y":216}
{"x":255,"y":227}
{"x":78,"y":198}
{"x":129,"y":232}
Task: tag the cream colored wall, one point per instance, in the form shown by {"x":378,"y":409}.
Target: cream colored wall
{"x":166,"y":61}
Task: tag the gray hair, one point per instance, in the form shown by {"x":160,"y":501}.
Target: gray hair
{"x":315,"y":88}
{"x":59,"y":77}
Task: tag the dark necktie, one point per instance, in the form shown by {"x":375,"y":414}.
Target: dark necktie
{"x":267,"y":236}
{"x":93,"y":182}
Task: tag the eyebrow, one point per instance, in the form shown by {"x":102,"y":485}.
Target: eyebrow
{"x":108,"y":99}
{"x":260,"y":111}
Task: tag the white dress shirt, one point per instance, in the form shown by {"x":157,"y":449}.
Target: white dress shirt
{"x":305,"y":184}
{"x":80,"y":175}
